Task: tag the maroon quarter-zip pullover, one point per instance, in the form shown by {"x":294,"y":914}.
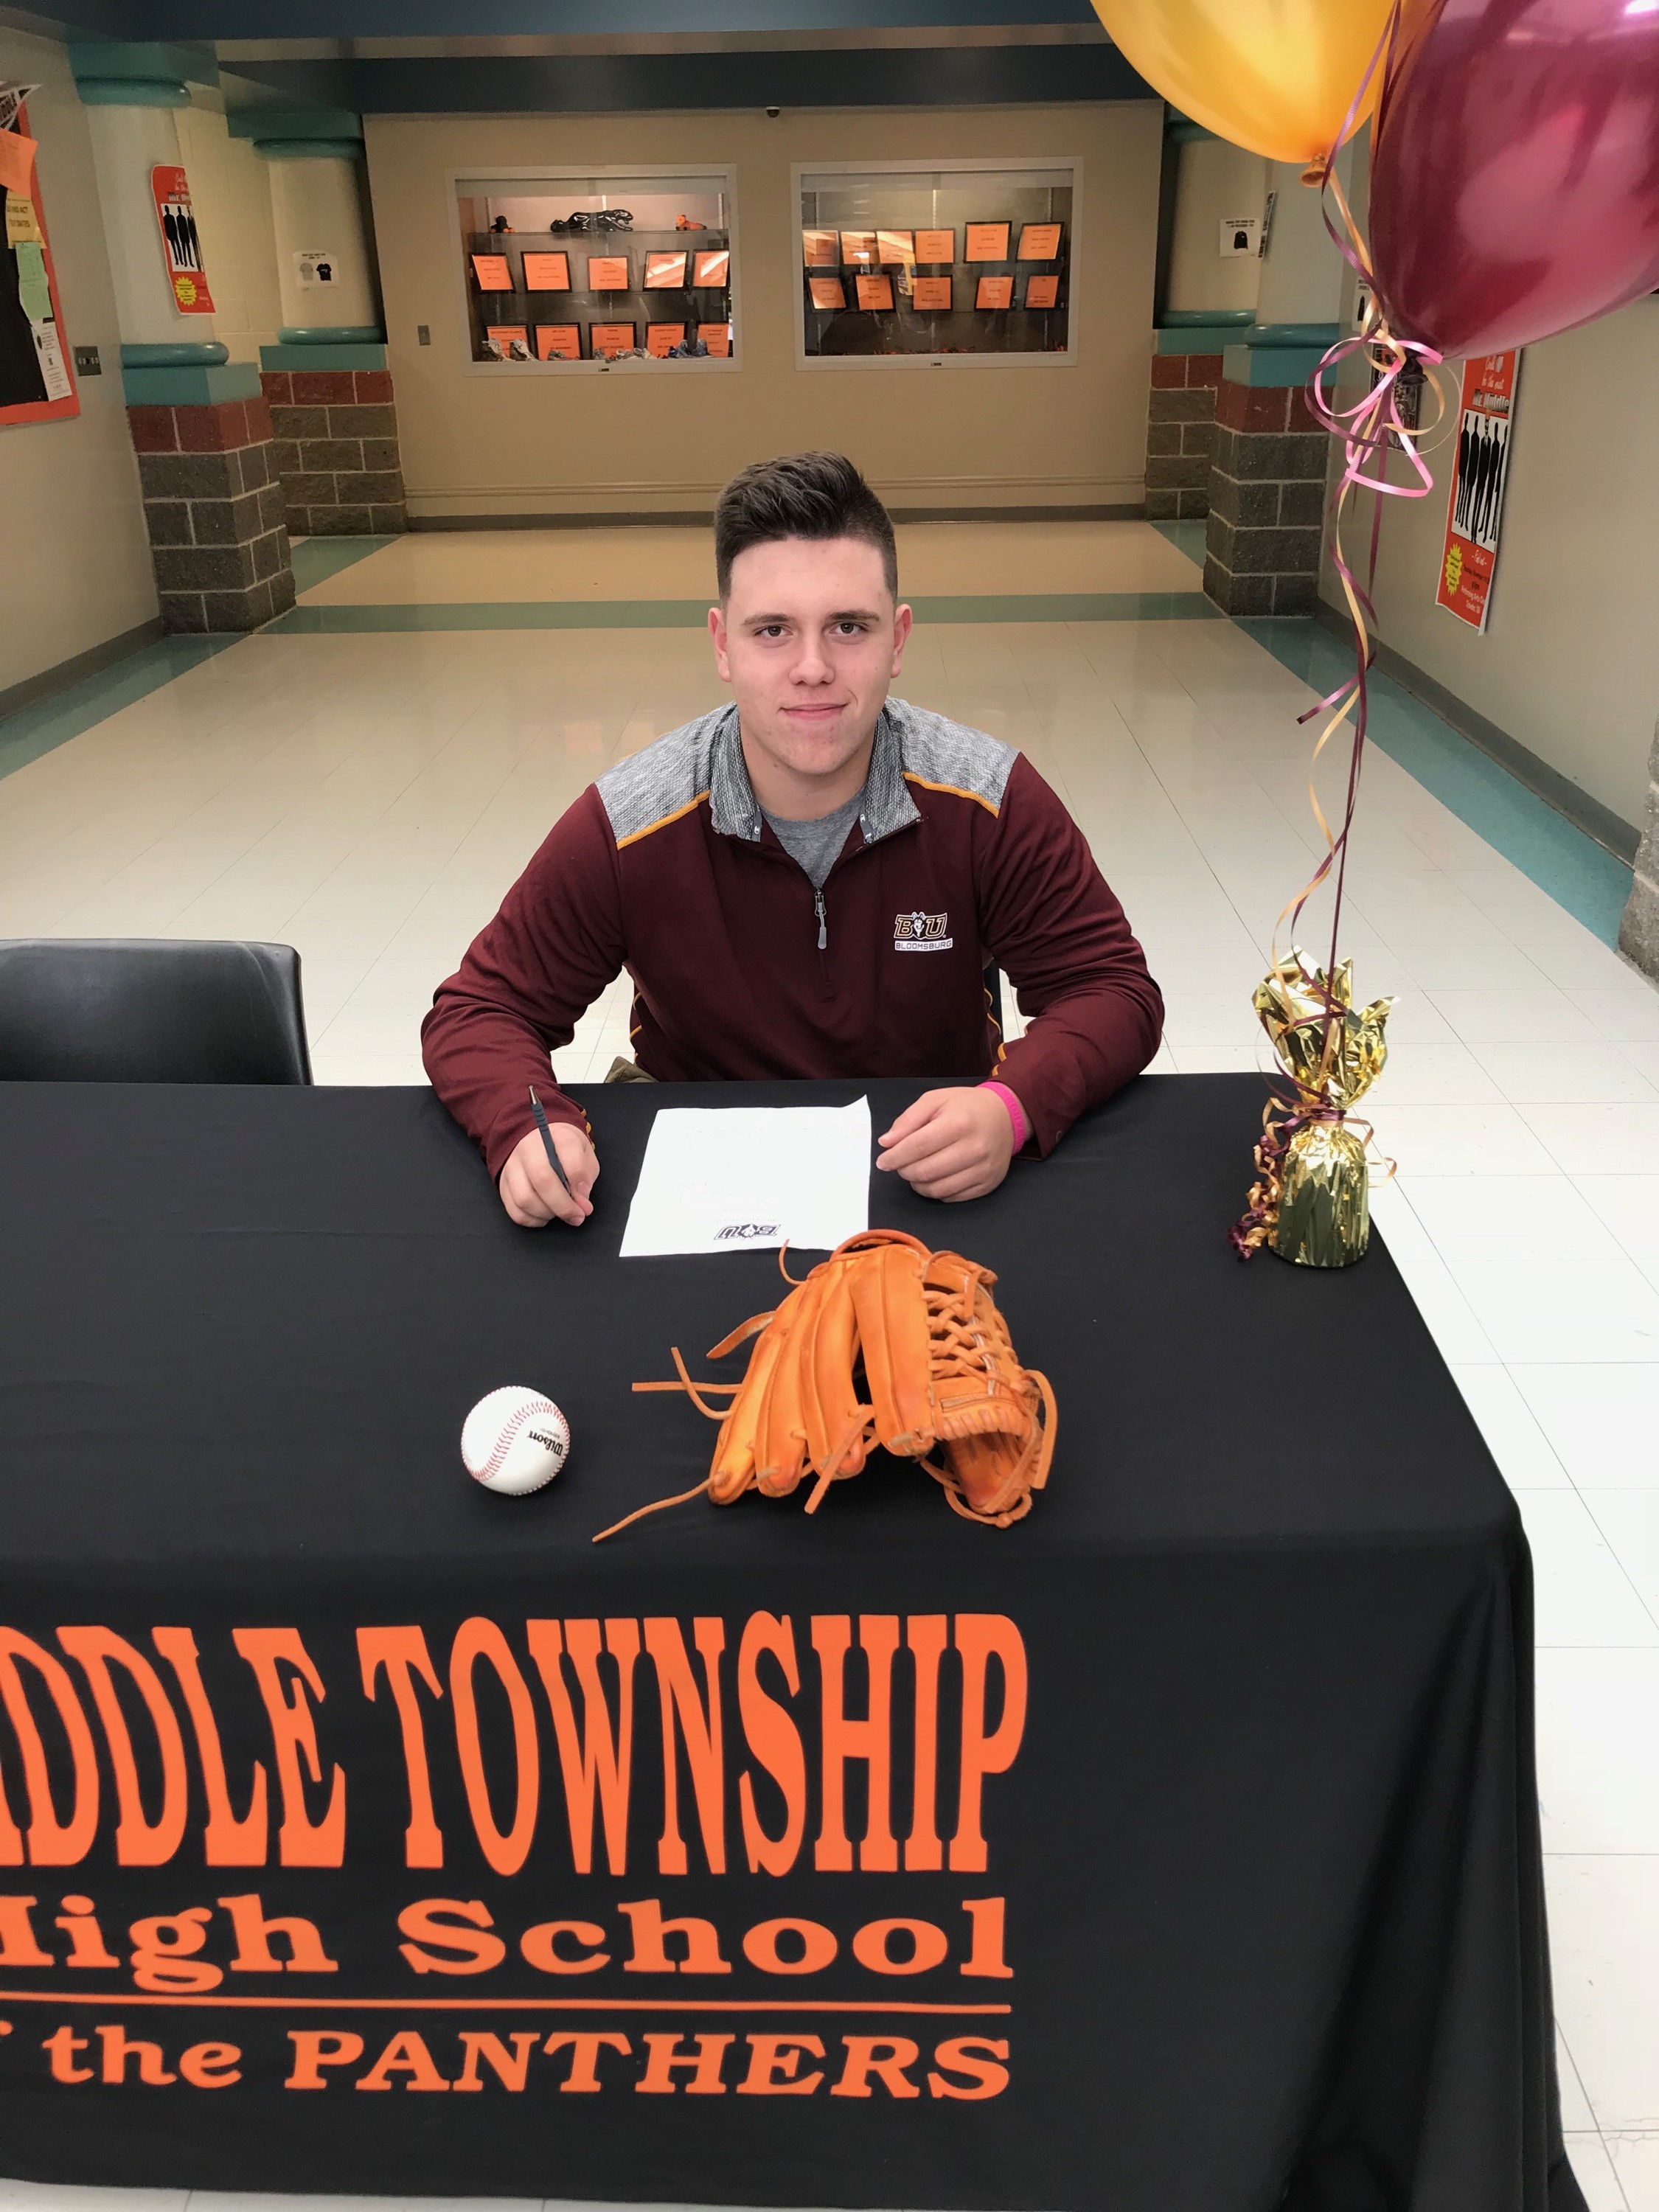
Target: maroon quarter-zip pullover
{"x":962,"y":854}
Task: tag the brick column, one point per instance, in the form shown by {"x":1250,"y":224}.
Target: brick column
{"x":335,"y":452}
{"x":1180,"y":422}
{"x":1266,"y":502}
{"x":198,"y":423}
{"x":213,"y":512}
{"x":1639,"y":932}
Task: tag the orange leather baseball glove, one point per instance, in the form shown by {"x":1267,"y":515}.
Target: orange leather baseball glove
{"x":885,"y":1343}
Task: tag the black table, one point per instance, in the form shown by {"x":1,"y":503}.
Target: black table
{"x":1252,"y":1920}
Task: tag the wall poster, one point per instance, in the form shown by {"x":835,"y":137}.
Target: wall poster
{"x":1474,"y":512}
{"x":180,"y":242}
{"x":35,"y":382}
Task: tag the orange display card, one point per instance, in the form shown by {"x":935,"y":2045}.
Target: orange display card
{"x":558,"y":342}
{"x":858,"y":248}
{"x":994,"y":292}
{"x":1038,"y":241}
{"x":712,"y":272}
{"x":827,"y":292}
{"x":1042,"y":291}
{"x":604,"y":339}
{"x":932,"y":295}
{"x":506,"y":336}
{"x":987,"y":241}
{"x":664,"y":272}
{"x":492,"y":272}
{"x":896,"y":248}
{"x":662,"y":338}
{"x":547,"y":272}
{"x":607,"y":272}
{"x":874,"y":291}
{"x":717,"y":337}
{"x":821,"y":249}
{"x":936,"y":245}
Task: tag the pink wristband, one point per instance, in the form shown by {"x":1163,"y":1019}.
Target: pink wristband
{"x":1016,"y":1113}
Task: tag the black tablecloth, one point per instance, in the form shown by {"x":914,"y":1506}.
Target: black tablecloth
{"x":1271,"y":1930}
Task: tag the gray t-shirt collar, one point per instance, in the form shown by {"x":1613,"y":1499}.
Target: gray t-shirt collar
{"x":884,"y":804}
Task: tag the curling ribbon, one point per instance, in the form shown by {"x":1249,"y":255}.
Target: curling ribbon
{"x":1370,"y":429}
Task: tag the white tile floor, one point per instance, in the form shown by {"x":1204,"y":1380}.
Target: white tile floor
{"x":368,"y":798}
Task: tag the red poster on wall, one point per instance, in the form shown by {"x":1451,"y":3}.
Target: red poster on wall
{"x":1474,"y":512}
{"x":36,"y":384}
{"x":179,"y":242}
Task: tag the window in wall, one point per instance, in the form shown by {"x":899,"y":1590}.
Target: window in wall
{"x":918,"y":266}
{"x":600,"y":270}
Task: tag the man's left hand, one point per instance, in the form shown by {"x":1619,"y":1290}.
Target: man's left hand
{"x":950,"y":1144}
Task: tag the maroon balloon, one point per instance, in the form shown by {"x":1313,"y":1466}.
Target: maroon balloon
{"x":1515,"y":179}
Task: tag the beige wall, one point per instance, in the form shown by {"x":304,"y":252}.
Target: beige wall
{"x":230,"y":195}
{"x":1569,"y":663}
{"x":1015,"y":436}
{"x":75,"y":566}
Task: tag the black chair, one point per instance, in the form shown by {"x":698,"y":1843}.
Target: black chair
{"x":150,"y":1010}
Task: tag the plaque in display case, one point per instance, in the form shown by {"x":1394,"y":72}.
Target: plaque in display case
{"x":717,"y":337}
{"x":510,"y":341}
{"x":930,"y":253}
{"x":1038,"y":241}
{"x":619,"y":247}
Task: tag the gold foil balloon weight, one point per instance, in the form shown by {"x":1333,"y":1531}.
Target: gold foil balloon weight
{"x":1310,"y":1202}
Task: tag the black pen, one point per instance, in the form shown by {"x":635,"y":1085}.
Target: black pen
{"x":547,"y":1141}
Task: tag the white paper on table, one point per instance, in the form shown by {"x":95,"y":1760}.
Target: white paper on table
{"x":733,"y":1178}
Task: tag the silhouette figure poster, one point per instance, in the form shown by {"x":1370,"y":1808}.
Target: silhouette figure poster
{"x":1475,"y":511}
{"x":181,"y":244}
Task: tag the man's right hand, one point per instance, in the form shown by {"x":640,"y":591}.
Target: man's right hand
{"x":533,"y":1195}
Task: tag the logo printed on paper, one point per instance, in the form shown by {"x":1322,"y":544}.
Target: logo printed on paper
{"x":921,"y":933}
{"x":742,"y":1230}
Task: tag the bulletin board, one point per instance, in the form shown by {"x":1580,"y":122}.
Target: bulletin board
{"x":37,"y":384}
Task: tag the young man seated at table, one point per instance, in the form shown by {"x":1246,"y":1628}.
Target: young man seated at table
{"x":809,"y":881}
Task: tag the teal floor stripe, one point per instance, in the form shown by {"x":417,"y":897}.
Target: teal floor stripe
{"x":313,"y":621}
{"x":316,"y":559}
{"x":1188,"y":536}
{"x":33,"y":731}
{"x":1578,"y":874}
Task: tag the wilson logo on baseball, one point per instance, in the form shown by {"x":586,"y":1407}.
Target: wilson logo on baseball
{"x":921,"y":933}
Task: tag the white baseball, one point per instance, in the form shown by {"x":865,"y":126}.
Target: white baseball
{"x":514,"y":1440}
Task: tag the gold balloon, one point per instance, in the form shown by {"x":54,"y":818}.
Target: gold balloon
{"x":1274,"y":75}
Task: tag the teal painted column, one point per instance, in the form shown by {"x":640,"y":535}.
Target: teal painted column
{"x":1267,"y":494}
{"x":199,"y":421}
{"x":330,"y":389}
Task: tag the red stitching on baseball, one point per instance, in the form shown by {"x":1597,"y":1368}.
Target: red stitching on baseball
{"x":509,"y":1435}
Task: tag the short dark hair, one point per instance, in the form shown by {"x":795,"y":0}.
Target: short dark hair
{"x":817,"y":496}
